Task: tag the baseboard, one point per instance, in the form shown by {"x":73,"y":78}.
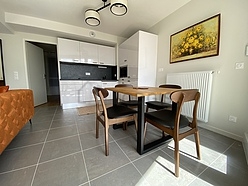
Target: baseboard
{"x":222,"y":132}
{"x":245,"y":145}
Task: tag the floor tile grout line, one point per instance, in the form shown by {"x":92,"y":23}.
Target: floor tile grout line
{"x":81,"y":147}
{"x":17,"y":169}
{"x":26,"y":133}
{"x":128,"y":158}
{"x":16,"y":148}
{"x":221,"y":154}
{"x":130,"y":161}
{"x":60,"y":157}
{"x":24,"y":146}
{"x":57,"y":139}
{"x":34,"y":174}
{"x":185,"y":168}
{"x":110,"y":171}
{"x":215,"y":160}
{"x":33,"y":132}
{"x":141,"y":156}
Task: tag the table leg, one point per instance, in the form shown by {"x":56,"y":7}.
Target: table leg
{"x":115,"y":101}
{"x":140,"y":132}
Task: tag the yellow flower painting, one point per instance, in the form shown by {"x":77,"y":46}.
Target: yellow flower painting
{"x":197,"y":41}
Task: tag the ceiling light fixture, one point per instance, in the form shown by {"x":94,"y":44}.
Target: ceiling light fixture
{"x":117,"y":7}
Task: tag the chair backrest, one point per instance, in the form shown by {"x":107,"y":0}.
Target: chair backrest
{"x":99,"y":95}
{"x":123,"y":85}
{"x":168,"y":86}
{"x":180,"y":97}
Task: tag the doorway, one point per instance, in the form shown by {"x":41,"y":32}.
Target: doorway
{"x":2,"y":79}
{"x":51,"y":72}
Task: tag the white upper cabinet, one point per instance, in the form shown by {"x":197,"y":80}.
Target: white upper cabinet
{"x":88,"y":52}
{"x":82,"y":52}
{"x":68,"y":50}
{"x":106,"y":55}
{"x":139,"y":54}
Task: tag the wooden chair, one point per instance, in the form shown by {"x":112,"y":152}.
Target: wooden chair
{"x":111,"y":115}
{"x":130,"y":103}
{"x":157,"y":105}
{"x":170,"y":121}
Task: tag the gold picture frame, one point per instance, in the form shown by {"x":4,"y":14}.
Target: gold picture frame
{"x":197,"y":41}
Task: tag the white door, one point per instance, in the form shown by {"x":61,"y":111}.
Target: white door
{"x":36,"y":73}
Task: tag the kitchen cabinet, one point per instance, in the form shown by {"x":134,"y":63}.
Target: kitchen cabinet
{"x":106,"y":55}
{"x":83,"y":52}
{"x":88,"y":53}
{"x":129,"y":58}
{"x":71,"y":92}
{"x":97,"y":54}
{"x":68,"y":50}
{"x":139,"y":53}
{"x":76,"y":93}
{"x":87,"y":90}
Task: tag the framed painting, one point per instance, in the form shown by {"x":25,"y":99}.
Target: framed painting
{"x":197,"y":41}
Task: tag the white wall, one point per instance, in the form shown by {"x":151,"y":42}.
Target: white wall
{"x":14,"y":57}
{"x":14,"y":51}
{"x":230,"y":86}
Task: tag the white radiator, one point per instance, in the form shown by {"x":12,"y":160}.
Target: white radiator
{"x":202,"y":81}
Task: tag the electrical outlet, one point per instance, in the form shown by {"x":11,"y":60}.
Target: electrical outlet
{"x":239,"y":66}
{"x":160,"y":69}
{"x":233,"y":119}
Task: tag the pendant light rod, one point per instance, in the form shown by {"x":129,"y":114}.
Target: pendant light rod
{"x":104,"y":6}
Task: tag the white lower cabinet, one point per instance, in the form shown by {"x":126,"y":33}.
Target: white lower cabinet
{"x":106,"y":84}
{"x":76,"y":93}
{"x":71,"y":92}
{"x":87,"y":91}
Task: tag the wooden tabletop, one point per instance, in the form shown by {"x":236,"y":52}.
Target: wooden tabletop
{"x":141,"y":91}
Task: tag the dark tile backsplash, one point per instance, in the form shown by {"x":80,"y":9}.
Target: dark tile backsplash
{"x":73,"y":71}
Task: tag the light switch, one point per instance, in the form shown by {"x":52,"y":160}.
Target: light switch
{"x":16,"y":76}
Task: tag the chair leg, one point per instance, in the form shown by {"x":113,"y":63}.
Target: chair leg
{"x":197,"y":141}
{"x":135,"y":122}
{"x":124,"y":127}
{"x":106,"y":140}
{"x":176,"y":157}
{"x":147,"y":108}
{"x":97,"y":128}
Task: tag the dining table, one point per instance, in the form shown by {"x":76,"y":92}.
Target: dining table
{"x":141,"y":93}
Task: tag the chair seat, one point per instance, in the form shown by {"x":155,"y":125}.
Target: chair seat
{"x":119,"y":111}
{"x":158,"y":105}
{"x":166,"y":118}
{"x":129,"y":103}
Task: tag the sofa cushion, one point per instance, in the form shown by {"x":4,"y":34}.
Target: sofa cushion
{"x":4,"y":89}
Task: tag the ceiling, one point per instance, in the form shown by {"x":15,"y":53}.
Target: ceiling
{"x":142,"y":14}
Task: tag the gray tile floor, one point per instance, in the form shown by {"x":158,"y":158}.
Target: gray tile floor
{"x":60,"y":148}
